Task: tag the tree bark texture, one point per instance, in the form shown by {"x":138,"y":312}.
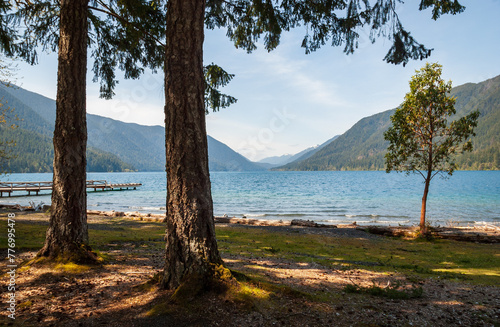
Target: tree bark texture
{"x":423,"y":226}
{"x":191,"y":247}
{"x":67,"y":235}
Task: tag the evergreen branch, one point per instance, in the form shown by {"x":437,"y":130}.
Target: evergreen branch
{"x":113,"y":14}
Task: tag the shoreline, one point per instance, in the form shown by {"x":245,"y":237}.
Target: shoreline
{"x":481,"y":233}
{"x":147,"y":216}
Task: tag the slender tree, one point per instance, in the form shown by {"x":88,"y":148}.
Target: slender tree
{"x":421,"y":139}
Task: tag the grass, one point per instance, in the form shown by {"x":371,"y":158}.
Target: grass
{"x":415,"y":259}
{"x":475,"y":263}
{"x":31,"y":235}
{"x":72,"y":268}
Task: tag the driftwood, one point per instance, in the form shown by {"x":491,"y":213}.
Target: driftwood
{"x":309,"y":223}
{"x":472,"y":234}
{"x":389,"y":231}
{"x":478,"y":235}
{"x":304,"y":223}
{"x":246,"y":221}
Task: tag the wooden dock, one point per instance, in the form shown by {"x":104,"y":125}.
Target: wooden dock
{"x":36,"y":187}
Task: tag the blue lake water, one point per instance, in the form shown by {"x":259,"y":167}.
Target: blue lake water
{"x":365,"y":197}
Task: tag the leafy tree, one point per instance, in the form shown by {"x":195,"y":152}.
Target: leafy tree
{"x":421,"y":139}
{"x":192,"y":257}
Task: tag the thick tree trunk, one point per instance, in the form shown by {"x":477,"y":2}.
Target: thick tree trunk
{"x":67,"y":235}
{"x":191,"y":250}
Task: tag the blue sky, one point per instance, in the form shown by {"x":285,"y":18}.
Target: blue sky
{"x":288,"y":101}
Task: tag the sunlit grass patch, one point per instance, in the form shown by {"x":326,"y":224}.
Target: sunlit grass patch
{"x":27,"y":235}
{"x":249,"y":293}
{"x":72,"y":267}
{"x":492,"y":275}
{"x":417,"y":259}
{"x":23,"y":305}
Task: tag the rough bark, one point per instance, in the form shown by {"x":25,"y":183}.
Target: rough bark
{"x":191,"y":250}
{"x":67,"y":235}
{"x":423,"y":226}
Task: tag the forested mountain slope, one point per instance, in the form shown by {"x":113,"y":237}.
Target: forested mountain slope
{"x":363,"y":146}
{"x":113,"y":145}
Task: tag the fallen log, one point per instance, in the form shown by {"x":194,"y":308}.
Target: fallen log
{"x":464,"y":234}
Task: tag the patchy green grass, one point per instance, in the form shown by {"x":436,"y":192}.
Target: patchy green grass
{"x":476,"y":263}
{"x":125,"y":230}
{"x":30,"y":234}
{"x":71,"y":267}
{"x":415,"y":259}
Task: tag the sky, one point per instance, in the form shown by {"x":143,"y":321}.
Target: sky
{"x":289,"y":101}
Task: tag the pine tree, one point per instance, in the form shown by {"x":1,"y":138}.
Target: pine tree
{"x":63,"y":25}
{"x":191,"y":252}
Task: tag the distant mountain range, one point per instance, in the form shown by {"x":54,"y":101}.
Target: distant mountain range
{"x":363,"y":146}
{"x":117,"y":146}
{"x":272,"y":162}
{"x":112,"y":145}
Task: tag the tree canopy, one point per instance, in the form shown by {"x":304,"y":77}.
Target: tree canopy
{"x":421,"y":138}
{"x":337,"y":22}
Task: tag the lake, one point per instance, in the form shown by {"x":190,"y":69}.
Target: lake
{"x":364,"y":197}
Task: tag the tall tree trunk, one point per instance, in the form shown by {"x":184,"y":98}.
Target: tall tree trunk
{"x":67,"y":235}
{"x":191,"y":250}
{"x":423,"y":226}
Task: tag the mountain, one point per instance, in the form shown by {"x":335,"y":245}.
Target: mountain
{"x":223,"y":158}
{"x":34,"y":153}
{"x":363,"y":146}
{"x":307,"y":153}
{"x":277,"y":161}
{"x":113,"y":145}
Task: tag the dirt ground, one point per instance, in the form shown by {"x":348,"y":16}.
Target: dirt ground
{"x":115,"y":295}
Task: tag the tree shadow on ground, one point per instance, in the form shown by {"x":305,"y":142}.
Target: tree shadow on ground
{"x":274,"y":292}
